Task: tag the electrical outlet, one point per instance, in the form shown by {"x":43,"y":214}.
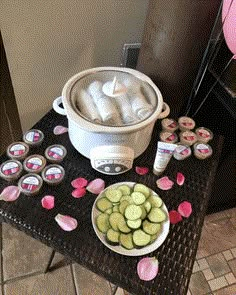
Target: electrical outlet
{"x":130,"y":54}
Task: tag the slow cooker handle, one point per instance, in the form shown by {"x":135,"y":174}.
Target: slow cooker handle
{"x":166,"y":111}
{"x":56,"y":106}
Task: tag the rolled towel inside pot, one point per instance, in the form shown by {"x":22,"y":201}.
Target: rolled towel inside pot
{"x":87,"y":107}
{"x":127,"y":114}
{"x":106,"y":106}
{"x":138,"y":102}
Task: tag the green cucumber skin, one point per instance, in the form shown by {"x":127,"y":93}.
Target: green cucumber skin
{"x":109,"y":239}
{"x":157,"y":215}
{"x":114,"y":220}
{"x":103,"y":217}
{"x":137,"y":241}
{"x":111,"y":243}
{"x":103,"y":204}
{"x":124,"y":244}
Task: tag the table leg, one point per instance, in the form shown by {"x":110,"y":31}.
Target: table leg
{"x":50,"y":261}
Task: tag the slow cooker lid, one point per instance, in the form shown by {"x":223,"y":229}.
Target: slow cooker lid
{"x":113,"y":98}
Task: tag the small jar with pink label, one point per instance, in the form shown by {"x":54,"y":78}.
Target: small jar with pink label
{"x":34,"y":163}
{"x":186,"y":123}
{"x":53,"y":174}
{"x":33,"y":137}
{"x":202,"y":151}
{"x":30,"y":184}
{"x":18,"y":150}
{"x":203,"y":134}
{"x":169,"y":124}
{"x":11,"y":170}
{"x":182,"y":152}
{"x":188,"y":137}
{"x":55,"y":153}
{"x":167,"y":136}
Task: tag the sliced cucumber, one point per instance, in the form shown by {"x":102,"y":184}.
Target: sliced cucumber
{"x":102,"y":222}
{"x":157,"y":215}
{"x":155,"y":201}
{"x":114,"y":219}
{"x":125,"y":189}
{"x":112,"y":237}
{"x":115,"y":208}
{"x":134,"y":224}
{"x":139,"y":187}
{"x":140,"y":238}
{"x":103,"y":204}
{"x":109,"y":211}
{"x":151,"y":228}
{"x":133,"y":212}
{"x":138,"y":198}
{"x":147,"y":206}
{"x":154,"y":237}
{"x":122,"y":226}
{"x":144,"y":212}
{"x":113,"y":195}
{"x":126,"y":240}
{"x":123,"y":206}
{"x":127,"y":198}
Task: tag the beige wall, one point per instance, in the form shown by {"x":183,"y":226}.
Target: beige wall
{"x":48,"y":41}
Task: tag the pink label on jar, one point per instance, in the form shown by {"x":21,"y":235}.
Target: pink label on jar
{"x":171,"y":123}
{"x":33,"y":136}
{"x":55,"y":153}
{"x":189,"y":137}
{"x":182,"y":150}
{"x":204,"y":133}
{"x":10,"y":168}
{"x":17,"y":150}
{"x":187,"y":124}
{"x":30,"y":183}
{"x":202,"y":148}
{"x":170,"y":138}
{"x":34,"y":163}
{"x":53,"y":173}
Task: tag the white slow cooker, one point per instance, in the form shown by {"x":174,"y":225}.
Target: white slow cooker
{"x":111,"y":113}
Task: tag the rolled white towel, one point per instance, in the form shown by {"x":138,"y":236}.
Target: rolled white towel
{"x":138,"y":102}
{"x":106,"y":106}
{"x":126,"y":110}
{"x":87,"y":107}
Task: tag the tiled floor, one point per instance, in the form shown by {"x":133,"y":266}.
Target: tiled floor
{"x":23,"y":260}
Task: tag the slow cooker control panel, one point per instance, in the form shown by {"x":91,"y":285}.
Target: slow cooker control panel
{"x":112,"y":160}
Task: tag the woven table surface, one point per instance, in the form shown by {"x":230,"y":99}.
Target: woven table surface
{"x":176,"y":255}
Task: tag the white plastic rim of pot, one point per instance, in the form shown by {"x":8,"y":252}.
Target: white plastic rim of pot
{"x":90,"y":126}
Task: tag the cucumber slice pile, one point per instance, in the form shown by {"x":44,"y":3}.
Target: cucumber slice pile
{"x":130,"y":217}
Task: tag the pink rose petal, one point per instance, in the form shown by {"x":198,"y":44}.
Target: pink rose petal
{"x":164,"y":183}
{"x":79,"y":192}
{"x":185,"y":209}
{"x":180,"y":178}
{"x":66,"y":222}
{"x":141,"y":170}
{"x":10,"y":193}
{"x":147,"y":268}
{"x":175,"y":217}
{"x":79,"y":182}
{"x":96,"y":186}
{"x":60,"y":130}
{"x":48,"y":202}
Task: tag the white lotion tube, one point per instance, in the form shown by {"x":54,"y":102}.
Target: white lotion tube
{"x":163,"y":156}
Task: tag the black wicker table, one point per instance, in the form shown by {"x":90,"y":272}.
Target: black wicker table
{"x":176,"y":255}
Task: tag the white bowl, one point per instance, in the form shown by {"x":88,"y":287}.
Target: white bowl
{"x":121,"y":250}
